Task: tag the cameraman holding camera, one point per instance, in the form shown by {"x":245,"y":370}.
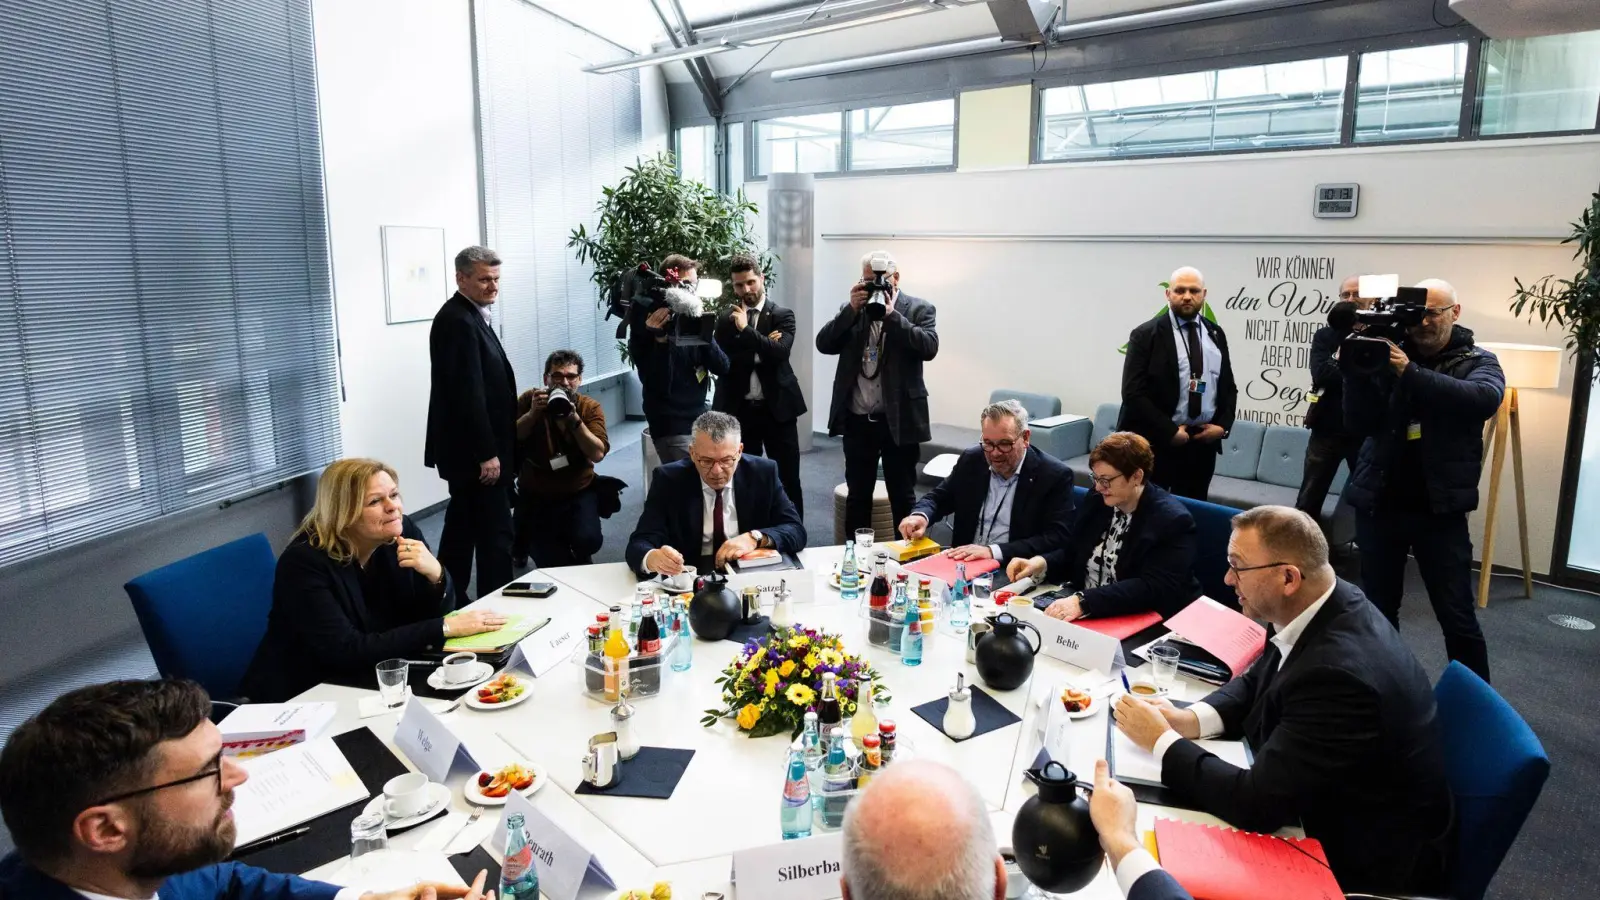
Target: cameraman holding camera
{"x":562,"y":434}
{"x":1330,"y":441}
{"x":1417,"y":477}
{"x":673,"y":374}
{"x":880,"y":402}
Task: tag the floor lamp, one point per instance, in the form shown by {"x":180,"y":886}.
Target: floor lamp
{"x":1526,"y":366}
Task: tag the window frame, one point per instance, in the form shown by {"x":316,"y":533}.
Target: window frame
{"x":752,"y":153}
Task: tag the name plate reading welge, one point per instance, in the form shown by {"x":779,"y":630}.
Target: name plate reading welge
{"x":563,"y":863}
{"x":544,"y":649}
{"x":430,"y":744}
{"x":806,"y":869}
{"x":1078,"y":646}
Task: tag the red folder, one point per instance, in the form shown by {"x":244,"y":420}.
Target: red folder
{"x":942,"y":567}
{"x":1222,"y":864}
{"x":1229,"y":636}
{"x":1120,"y":627}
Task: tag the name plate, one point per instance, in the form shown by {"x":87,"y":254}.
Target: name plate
{"x":430,"y":744}
{"x":806,"y":869}
{"x":1076,"y":645}
{"x":563,"y":863}
{"x":546,"y":648}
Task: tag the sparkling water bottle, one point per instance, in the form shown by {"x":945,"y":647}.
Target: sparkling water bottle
{"x":911,"y":643}
{"x":796,"y":799}
{"x":519,"y":877}
{"x":849,"y":574}
{"x":961,"y":601}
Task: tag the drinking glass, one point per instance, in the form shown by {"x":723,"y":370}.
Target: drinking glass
{"x":392,"y":681}
{"x":367,"y":835}
{"x":983,"y":588}
{"x":1163,"y":664}
{"x":864,"y":539}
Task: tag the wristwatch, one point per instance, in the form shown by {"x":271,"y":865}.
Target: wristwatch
{"x":762,"y":541}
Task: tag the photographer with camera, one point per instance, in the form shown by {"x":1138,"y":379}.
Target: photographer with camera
{"x":1330,"y":441}
{"x":1421,"y":414}
{"x":672,"y":371}
{"x":562,"y":434}
{"x":880,"y":402}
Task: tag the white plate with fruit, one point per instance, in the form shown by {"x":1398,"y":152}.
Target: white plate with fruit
{"x":505,"y":690}
{"x":1078,"y":704}
{"x":490,"y":788}
{"x":661,"y":890}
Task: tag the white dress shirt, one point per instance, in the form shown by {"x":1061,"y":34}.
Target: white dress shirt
{"x":750,"y":313}
{"x":1211,"y":356}
{"x":1211,"y":723}
{"x":1137,"y":864}
{"x":994,"y":516}
{"x":730,"y":516}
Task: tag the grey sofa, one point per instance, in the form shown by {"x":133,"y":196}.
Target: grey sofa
{"x":1259,"y":466}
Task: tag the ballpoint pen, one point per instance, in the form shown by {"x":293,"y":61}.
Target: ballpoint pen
{"x":272,"y":841}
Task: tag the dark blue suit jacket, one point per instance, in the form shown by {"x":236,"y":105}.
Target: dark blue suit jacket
{"x":674,"y":511}
{"x":227,"y":881}
{"x":1158,"y":885}
{"x":1040,"y":509}
{"x":1155,"y":567}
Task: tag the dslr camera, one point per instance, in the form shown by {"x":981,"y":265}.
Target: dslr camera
{"x":647,"y":290}
{"x":879,"y":288}
{"x":559,"y":404}
{"x":1366,"y":352}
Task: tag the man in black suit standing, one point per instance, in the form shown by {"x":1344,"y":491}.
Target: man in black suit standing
{"x":712,"y":507}
{"x":1009,"y":499}
{"x":1330,"y":441}
{"x":1178,"y":389}
{"x":880,"y":403}
{"x":472,"y":426}
{"x":1339,"y":713}
{"x":760,"y":389}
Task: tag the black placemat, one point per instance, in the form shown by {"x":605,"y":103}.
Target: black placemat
{"x":758,"y":629}
{"x":653,"y":773}
{"x":468,"y":865}
{"x":329,"y":837}
{"x":987,"y":710}
{"x":1134,"y":641}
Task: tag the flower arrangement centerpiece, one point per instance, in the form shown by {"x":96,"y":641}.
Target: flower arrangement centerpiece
{"x":770,"y":686}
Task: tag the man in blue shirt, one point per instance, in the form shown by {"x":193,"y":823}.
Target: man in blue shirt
{"x":121,"y":792}
{"x":1178,"y":390}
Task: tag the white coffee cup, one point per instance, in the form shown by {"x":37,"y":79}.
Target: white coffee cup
{"x":405,"y":795}
{"x":683,"y":581}
{"x":459,"y":667}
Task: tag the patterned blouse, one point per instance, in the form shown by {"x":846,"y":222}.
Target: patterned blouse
{"x":1102,"y":569}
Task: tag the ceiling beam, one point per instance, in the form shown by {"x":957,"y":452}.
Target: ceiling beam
{"x":710,"y":94}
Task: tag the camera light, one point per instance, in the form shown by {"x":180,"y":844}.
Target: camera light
{"x":708,"y":289}
{"x":1379,"y":287}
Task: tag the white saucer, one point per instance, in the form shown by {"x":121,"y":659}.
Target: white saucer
{"x":472,"y":795}
{"x":438,"y":799}
{"x":437,"y":682}
{"x":527,"y":691}
{"x":1094,"y":707}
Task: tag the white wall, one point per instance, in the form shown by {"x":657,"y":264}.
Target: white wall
{"x":395,"y":85}
{"x":1046,"y":311}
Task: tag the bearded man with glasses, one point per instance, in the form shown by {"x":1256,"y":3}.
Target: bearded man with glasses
{"x":712,"y":508}
{"x":1009,"y":498}
{"x":1178,"y":389}
{"x":121,"y":792}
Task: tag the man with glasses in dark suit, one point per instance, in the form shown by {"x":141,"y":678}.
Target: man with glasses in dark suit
{"x":1178,"y":389}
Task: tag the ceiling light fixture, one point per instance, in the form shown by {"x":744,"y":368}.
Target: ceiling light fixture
{"x":899,"y":57}
{"x":692,"y":51}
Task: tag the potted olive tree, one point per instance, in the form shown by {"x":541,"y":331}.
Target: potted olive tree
{"x":1572,"y":303}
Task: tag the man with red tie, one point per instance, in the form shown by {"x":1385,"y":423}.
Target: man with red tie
{"x":713,"y":507}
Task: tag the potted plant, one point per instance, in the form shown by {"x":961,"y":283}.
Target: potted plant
{"x":653,"y":212}
{"x":1572,"y":303}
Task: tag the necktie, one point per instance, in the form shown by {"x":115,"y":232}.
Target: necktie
{"x":719,"y":534}
{"x":1196,"y":366}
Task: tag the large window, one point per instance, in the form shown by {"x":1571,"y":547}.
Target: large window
{"x":799,"y":144}
{"x":166,"y":320}
{"x":1253,"y":107}
{"x":899,"y":137}
{"x":1541,"y":84}
{"x":1411,"y":94}
{"x":696,"y":149}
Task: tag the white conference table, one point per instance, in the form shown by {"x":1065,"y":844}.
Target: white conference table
{"x":728,"y":799}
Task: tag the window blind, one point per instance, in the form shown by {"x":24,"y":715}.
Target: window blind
{"x":553,"y":137}
{"x":166,"y":330}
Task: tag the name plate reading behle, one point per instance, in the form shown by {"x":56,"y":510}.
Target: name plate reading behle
{"x":1076,"y":645}
{"x":806,"y":869}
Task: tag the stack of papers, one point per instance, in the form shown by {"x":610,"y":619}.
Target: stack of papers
{"x":291,"y":786}
{"x":515,"y":629}
{"x":1132,"y":763}
{"x":1222,"y":864}
{"x":257,"y":728}
{"x":1228,"y":635}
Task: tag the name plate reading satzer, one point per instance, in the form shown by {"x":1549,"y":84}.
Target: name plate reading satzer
{"x":806,"y":869}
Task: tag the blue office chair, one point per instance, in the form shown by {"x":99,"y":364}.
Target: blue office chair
{"x":204,"y":616}
{"x":1213,"y":526}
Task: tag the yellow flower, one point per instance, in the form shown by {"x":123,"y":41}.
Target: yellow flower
{"x":800,"y":695}
{"x":771,"y":678}
{"x":832,"y":657}
{"x":798,"y":640}
{"x":787,"y":668}
{"x":748,"y":716}
{"x":805,"y":673}
{"x":811,"y":660}
{"x":850,"y":707}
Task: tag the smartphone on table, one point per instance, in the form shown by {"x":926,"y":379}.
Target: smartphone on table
{"x":536,"y":589}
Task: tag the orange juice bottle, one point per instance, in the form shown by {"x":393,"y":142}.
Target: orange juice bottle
{"x":616,"y":662}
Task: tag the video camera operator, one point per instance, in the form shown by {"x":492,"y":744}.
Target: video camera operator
{"x":562,"y":435}
{"x":1330,"y":441}
{"x":882,"y":337}
{"x":672,"y":372}
{"x":1422,"y":420}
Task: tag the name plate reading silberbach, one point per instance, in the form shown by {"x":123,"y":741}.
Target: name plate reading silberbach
{"x":806,"y":869}
{"x":1075,"y":645}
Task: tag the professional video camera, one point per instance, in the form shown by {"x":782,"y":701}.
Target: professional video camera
{"x":879,"y":288}
{"x":648,"y":290}
{"x":559,"y":405}
{"x":1366,"y":351}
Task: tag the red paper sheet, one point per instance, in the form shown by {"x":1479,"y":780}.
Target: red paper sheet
{"x":1120,"y":627}
{"x":1222,"y":864}
{"x":1225,"y":634}
{"x":942,"y":567}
